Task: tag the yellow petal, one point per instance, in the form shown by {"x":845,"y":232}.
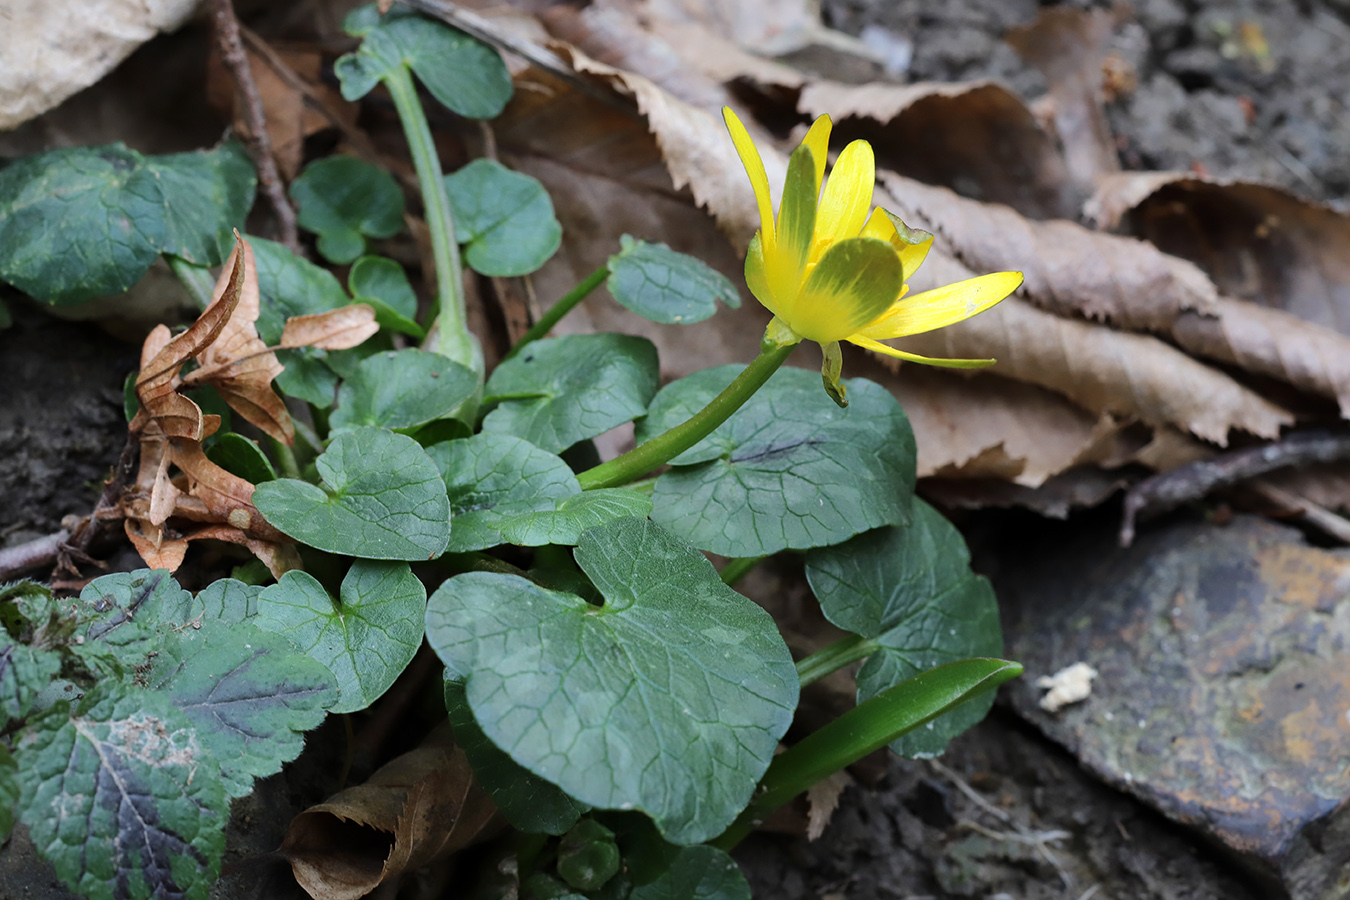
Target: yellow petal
{"x":796,"y":225}
{"x":870,"y":344}
{"x":943,"y":306}
{"x":848,"y":195}
{"x":754,"y":167}
{"x":911,"y":243}
{"x":754,"y":275}
{"x":818,"y":139}
{"x":850,"y":287}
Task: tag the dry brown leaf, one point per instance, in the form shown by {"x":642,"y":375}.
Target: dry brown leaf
{"x":823,"y":799}
{"x":337,"y":329}
{"x":1076,"y":488}
{"x":1068,"y":46}
{"x":1070,"y":270}
{"x":421,"y":806}
{"x":1104,"y":371}
{"x":977,"y":135}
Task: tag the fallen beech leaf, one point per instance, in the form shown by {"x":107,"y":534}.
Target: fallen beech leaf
{"x":1100,"y":369}
{"x":823,"y":798}
{"x":421,"y":806}
{"x":337,"y":329}
{"x":1069,"y":270}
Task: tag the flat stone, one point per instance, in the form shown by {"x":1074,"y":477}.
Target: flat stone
{"x":1223,"y":693}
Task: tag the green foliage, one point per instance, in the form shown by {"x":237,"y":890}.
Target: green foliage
{"x":401,"y":389}
{"x":241,"y":456}
{"x":468,"y":77}
{"x":381,"y":498}
{"x":384,"y":285}
{"x":674,"y":658}
{"x":588,"y":856}
{"x":698,"y":873}
{"x":290,"y":286}
{"x":910,"y":589}
{"x":503,"y":218}
{"x":667,"y":287}
{"x":24,"y":671}
{"x":344,"y":200}
{"x":562,"y":390}
{"x":118,"y":210}
{"x":789,"y":470}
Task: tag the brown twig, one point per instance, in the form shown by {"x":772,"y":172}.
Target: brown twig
{"x":257,"y":140}
{"x":35,"y":554}
{"x":1168,"y":490}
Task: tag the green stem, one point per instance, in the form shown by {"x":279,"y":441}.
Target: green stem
{"x":665,"y":447}
{"x":454,"y":339}
{"x":285,"y":459}
{"x":737,"y":569}
{"x":560,"y":309}
{"x":846,"y":650}
{"x":197,"y":280}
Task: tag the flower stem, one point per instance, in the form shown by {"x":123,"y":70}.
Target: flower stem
{"x":560,"y":309}
{"x":848,"y":649}
{"x":454,"y":340}
{"x":665,"y":447}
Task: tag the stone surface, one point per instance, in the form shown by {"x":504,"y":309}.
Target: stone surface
{"x":1224,"y":691}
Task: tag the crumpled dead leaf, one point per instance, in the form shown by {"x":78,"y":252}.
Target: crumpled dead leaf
{"x":421,"y":806}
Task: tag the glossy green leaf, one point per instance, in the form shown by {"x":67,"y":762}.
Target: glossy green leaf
{"x":290,"y":286}
{"x":503,"y":218}
{"x":594,"y":699}
{"x":698,"y":873}
{"x":384,"y":285}
{"x":381,"y":498}
{"x":789,"y":470}
{"x":207,"y":194}
{"x":24,"y":672}
{"x":307,"y":376}
{"x":570,"y":517}
{"x":562,"y":390}
{"x":910,"y":588}
{"x":468,"y":77}
{"x":401,"y":389}
{"x":344,"y":200}
{"x":139,"y":815}
{"x":365,"y":639}
{"x":529,"y":803}
{"x":668,"y":287}
{"x":241,"y":456}
{"x":249,"y":694}
{"x":79,"y":222}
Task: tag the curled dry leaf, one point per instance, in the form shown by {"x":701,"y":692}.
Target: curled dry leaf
{"x":337,"y":329}
{"x":423,"y":805}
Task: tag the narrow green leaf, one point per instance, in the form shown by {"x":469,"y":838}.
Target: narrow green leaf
{"x":562,"y":390}
{"x":593,"y":699}
{"x":401,"y":389}
{"x":102,"y":202}
{"x":344,"y":200}
{"x":505,"y":219}
{"x":365,"y":639}
{"x":698,"y":873}
{"x":668,"y":287}
{"x":139,"y":816}
{"x":207,"y":194}
{"x":381,"y":498}
{"x":789,"y":470}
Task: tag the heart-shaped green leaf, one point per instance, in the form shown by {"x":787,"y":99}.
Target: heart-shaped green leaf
{"x":290,"y":286}
{"x":365,"y":639}
{"x":401,"y":389}
{"x":597,"y":699}
{"x":558,"y":391}
{"x":789,"y":470}
{"x":504,"y":219}
{"x":344,"y":200}
{"x":382,"y":498}
{"x":660,"y":284}
{"x":384,"y":285}
{"x":207,"y":194}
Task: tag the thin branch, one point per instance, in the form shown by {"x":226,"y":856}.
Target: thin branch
{"x":258,"y":141}
{"x":34,"y":554}
{"x":1168,"y":490}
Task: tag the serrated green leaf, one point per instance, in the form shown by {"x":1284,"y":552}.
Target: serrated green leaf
{"x":241,"y":456}
{"x":594,"y":699}
{"x":344,"y":200}
{"x":25,"y":603}
{"x":910,"y":588}
{"x":229,"y":600}
{"x":562,"y":390}
{"x":789,"y":470}
{"x":249,"y":693}
{"x":382,"y":498}
{"x":365,"y":639}
{"x":664,"y":286}
{"x":118,"y":798}
{"x":503,"y":218}
{"x":698,"y":873}
{"x":468,"y":77}
{"x":24,"y":672}
{"x":529,"y":803}
{"x":402,"y":389}
{"x":101,"y":200}
{"x":120,"y":614}
{"x":290,"y":286}
{"x":207,"y":194}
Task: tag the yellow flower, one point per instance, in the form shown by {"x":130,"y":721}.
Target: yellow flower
{"x":831,"y":272}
